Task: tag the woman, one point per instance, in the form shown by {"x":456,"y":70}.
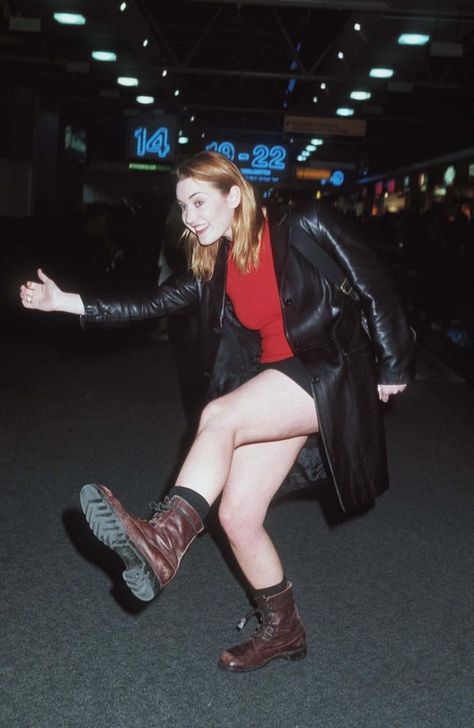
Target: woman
{"x":287,"y":357}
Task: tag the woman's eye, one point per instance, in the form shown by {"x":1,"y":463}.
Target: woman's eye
{"x":198,"y":203}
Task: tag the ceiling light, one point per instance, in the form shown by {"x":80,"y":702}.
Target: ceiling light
{"x":414,"y":39}
{"x":203,"y":135}
{"x":69,"y":18}
{"x":127,"y":81}
{"x":164,"y":72}
{"x":311,"y":147}
{"x":145,"y":43}
{"x":323,"y":85}
{"x":183,"y":140}
{"x":360,"y":95}
{"x":193,"y":118}
{"x":344,"y":111}
{"x":340,"y":55}
{"x":176,"y":93}
{"x":300,"y":158}
{"x":104,"y":56}
{"x":317,"y":142}
{"x":145,"y":99}
{"x":123,"y":6}
{"x":381,"y":72}
{"x":315,"y":99}
{"x":357,"y":26}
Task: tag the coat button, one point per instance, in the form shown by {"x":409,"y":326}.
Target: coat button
{"x":288,"y":302}
{"x":297,"y":344}
{"x":315,"y":380}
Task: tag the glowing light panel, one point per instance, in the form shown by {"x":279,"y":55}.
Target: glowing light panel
{"x":413,"y":39}
{"x":107,"y":56}
{"x":381,"y":72}
{"x":69,"y":18}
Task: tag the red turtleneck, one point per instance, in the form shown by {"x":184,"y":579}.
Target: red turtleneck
{"x":256,"y":302}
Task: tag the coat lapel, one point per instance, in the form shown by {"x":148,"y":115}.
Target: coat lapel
{"x":218,"y":280}
{"x":279,"y":223}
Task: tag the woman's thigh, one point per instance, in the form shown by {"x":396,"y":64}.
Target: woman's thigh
{"x":256,"y":473}
{"x":271,"y":406}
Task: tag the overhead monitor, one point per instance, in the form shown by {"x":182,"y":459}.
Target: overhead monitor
{"x":258,"y":161}
{"x":152,"y":137}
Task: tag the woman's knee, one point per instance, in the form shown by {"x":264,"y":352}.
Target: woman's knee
{"x":216,"y":413}
{"x":240,"y":524}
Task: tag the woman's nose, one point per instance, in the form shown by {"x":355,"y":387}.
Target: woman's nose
{"x":189,"y":216}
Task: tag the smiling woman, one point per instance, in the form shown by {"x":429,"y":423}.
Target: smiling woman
{"x":287,"y":357}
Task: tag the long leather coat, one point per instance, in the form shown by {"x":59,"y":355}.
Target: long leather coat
{"x":323,"y":327}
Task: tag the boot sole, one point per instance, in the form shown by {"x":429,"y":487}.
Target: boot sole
{"x":108,"y":528}
{"x":290,"y":656}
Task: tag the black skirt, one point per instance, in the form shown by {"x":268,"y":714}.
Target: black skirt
{"x":292,"y":368}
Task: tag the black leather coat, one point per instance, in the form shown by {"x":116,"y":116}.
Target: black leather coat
{"x":323,"y":328}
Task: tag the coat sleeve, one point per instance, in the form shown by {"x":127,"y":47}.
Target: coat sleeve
{"x":177,"y":294}
{"x":389,"y":330}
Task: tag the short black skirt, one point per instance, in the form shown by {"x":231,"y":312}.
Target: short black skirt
{"x":292,"y":368}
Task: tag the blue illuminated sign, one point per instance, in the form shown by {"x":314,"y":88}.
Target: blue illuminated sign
{"x":152,"y":138}
{"x":257,"y":162}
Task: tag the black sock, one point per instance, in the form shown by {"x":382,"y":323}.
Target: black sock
{"x":192,"y":497}
{"x":270,"y":591}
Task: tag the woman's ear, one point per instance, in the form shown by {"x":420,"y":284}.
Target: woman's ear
{"x":234,"y":196}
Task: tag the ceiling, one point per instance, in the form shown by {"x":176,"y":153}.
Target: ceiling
{"x":243,"y":67}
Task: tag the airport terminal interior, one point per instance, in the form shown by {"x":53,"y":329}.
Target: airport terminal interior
{"x":365,"y":107}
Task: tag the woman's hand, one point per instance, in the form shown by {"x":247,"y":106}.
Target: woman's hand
{"x":44,"y":296}
{"x":47,"y":296}
{"x":386,"y":390}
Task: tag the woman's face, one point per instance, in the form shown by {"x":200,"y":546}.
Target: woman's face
{"x":207,"y":211}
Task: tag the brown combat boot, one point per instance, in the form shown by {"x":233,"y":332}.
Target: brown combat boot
{"x":151,"y":550}
{"x":280,"y":634}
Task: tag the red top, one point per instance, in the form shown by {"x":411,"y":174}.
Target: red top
{"x":256,"y":302}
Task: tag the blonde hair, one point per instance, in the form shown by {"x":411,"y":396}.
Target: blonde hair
{"x":247,"y":223}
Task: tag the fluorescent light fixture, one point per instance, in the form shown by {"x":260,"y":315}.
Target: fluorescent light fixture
{"x":413,"y":39}
{"x":69,"y":18}
{"x":360,"y":95}
{"x":127,"y":81}
{"x":344,"y":111}
{"x":381,"y":72}
{"x":183,"y":140}
{"x":317,"y":142}
{"x":146,"y":99}
{"x":311,"y":147}
{"x":106,"y":56}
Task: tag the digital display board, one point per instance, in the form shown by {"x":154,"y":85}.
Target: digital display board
{"x":152,"y":137}
{"x":258,"y":162}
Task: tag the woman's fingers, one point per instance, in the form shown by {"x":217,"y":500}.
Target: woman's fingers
{"x":386,"y":390}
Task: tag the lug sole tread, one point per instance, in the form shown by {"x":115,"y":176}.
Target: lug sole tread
{"x":107,"y":527}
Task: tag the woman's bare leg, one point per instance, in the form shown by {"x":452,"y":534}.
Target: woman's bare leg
{"x":256,"y":474}
{"x":270,"y":407}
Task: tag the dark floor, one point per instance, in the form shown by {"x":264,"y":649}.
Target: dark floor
{"x":387,"y":597}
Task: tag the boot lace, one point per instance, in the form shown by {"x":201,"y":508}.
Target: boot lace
{"x":264,"y":626}
{"x":159,"y":508}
